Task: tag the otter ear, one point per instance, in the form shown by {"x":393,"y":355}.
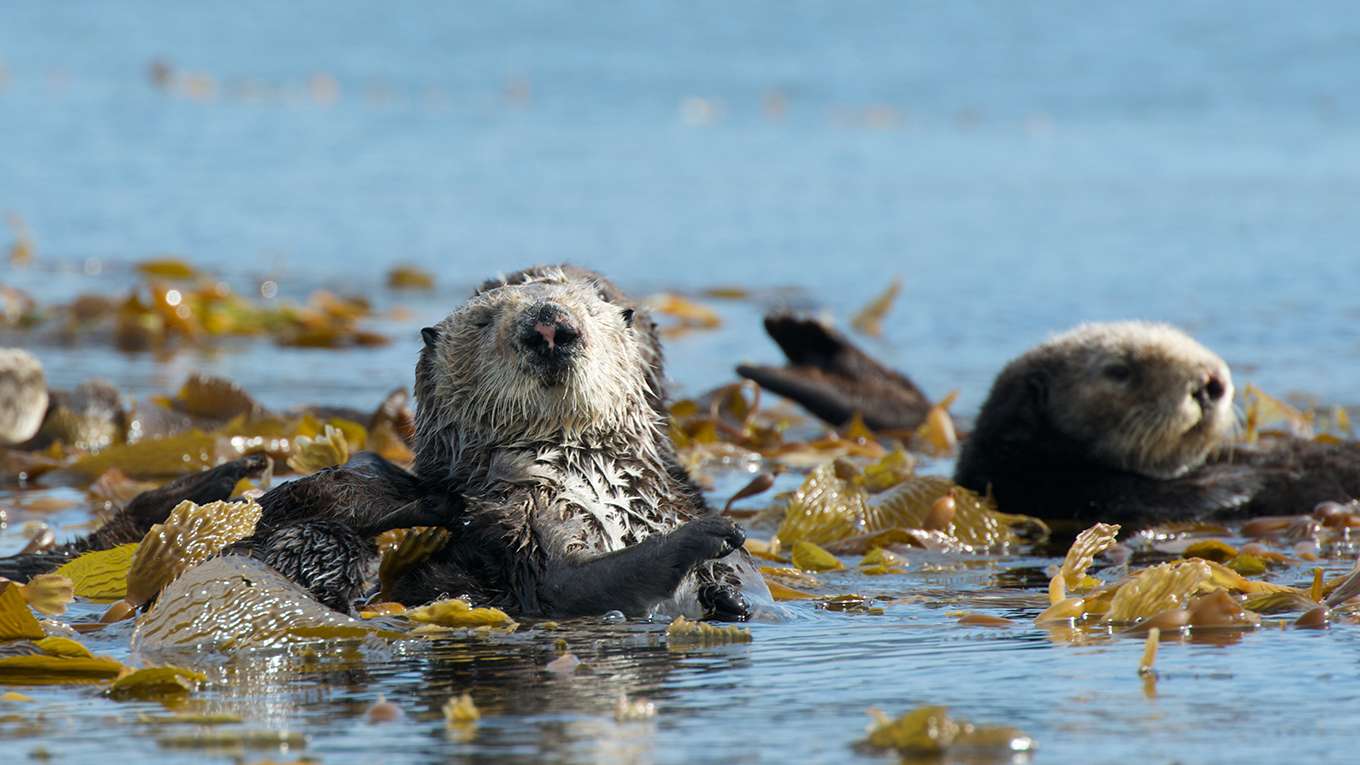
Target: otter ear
{"x":431,"y":336}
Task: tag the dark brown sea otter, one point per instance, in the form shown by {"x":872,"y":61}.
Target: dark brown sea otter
{"x":1130,"y":422}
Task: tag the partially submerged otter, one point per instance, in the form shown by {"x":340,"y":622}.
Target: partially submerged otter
{"x":539,"y":404}
{"x":1122,"y":422}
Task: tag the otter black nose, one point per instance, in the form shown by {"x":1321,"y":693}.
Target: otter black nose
{"x":548,"y":328}
{"x":1211,"y":389}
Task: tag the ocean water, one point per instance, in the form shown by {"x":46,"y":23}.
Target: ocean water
{"x":1020,"y":167}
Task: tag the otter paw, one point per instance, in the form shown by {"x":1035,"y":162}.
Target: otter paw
{"x":718,"y":537}
{"x":724,"y":602}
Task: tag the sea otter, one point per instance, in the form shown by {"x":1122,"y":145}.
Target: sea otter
{"x":1127,"y":422}
{"x":540,"y":405}
{"x":541,"y":442}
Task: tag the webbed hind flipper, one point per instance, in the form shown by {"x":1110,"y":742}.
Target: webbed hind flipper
{"x":834,"y":380}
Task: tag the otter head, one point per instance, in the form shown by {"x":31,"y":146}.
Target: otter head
{"x":547,"y":355}
{"x":1132,"y":396}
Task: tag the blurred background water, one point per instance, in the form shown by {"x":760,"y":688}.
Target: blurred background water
{"x":1021,"y":167}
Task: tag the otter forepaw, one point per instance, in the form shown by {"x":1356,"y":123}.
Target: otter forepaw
{"x":724,"y":602}
{"x":714,"y":537}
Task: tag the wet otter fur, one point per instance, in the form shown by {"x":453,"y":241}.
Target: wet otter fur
{"x":1108,"y":422}
{"x":834,"y":380}
{"x":540,"y":402}
{"x":1131,"y":422}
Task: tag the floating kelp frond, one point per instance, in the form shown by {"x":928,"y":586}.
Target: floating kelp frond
{"x":1156,"y":589}
{"x":1215,"y":550}
{"x":929,"y":730}
{"x":683,"y":632}
{"x":809,"y":557}
{"x":461,"y":710}
{"x":326,"y":450}
{"x":1082,"y":553}
{"x":49,"y":593}
{"x":687,"y":314}
{"x":232,"y":602}
{"x":213,"y":397}
{"x":832,"y":504}
{"x":100,"y":576}
{"x":869,"y":319}
{"x":156,"y":683}
{"x":165,"y":457}
{"x":409,"y":278}
{"x":189,"y":536}
{"x":458,"y":613}
{"x":16,"y":621}
{"x":937,"y":435}
{"x":54,"y":661}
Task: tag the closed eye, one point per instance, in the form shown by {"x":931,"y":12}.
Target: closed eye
{"x":1117,"y":372}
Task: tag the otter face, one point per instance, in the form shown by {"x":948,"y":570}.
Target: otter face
{"x":545,"y":355}
{"x":1142,"y":397}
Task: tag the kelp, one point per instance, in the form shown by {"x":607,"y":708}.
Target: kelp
{"x":156,"y":683}
{"x":1082,"y":554}
{"x":190,"y":535}
{"x":869,"y":319}
{"x":232,"y":602}
{"x":54,"y":661}
{"x":101,"y":575}
{"x":454,"y":612}
{"x":930,"y":731}
{"x":809,"y":557}
{"x":313,"y":453}
{"x":832,"y":504}
{"x":48,"y":594}
{"x":413,"y":546}
{"x":685,"y":633}
{"x":16,"y":621}
{"x":461,"y":710}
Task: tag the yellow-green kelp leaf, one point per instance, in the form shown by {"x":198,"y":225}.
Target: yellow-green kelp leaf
{"x":458,"y":613}
{"x":683,"y":632}
{"x":54,"y":661}
{"x":809,"y":557}
{"x":49,"y":593}
{"x":930,"y":731}
{"x":190,"y":535}
{"x":311,"y":454}
{"x":156,"y":682}
{"x":16,"y":621}
{"x":233,"y":602}
{"x":166,"y":457}
{"x":100,"y":576}
{"x":414,"y":547}
{"x":1157,"y":589}
{"x":1082,"y":553}
{"x":833,"y":504}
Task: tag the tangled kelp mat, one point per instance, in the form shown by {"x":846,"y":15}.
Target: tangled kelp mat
{"x":968,"y":636}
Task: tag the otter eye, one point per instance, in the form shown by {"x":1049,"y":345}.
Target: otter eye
{"x":1117,"y":372}
{"x":628,"y":316}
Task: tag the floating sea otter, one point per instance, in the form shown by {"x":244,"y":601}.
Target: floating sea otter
{"x":1123,"y":422}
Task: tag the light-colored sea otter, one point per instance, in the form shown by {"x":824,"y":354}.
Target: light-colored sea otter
{"x":539,"y":405}
{"x":1125,"y":422}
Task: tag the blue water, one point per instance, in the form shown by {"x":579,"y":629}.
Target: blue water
{"x":1021,"y":167}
